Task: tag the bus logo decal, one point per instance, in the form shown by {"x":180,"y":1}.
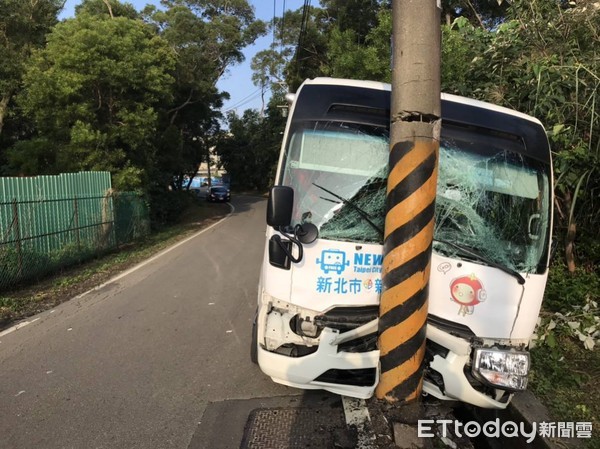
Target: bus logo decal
{"x":333,"y":260}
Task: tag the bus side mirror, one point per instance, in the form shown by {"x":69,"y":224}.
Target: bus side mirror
{"x":279,"y":207}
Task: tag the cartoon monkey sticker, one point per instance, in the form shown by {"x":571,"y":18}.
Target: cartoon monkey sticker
{"x":467,"y":292}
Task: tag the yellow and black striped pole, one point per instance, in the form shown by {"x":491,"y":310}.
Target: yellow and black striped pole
{"x":414,"y":148}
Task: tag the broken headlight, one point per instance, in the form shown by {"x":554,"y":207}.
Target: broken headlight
{"x":505,"y":369}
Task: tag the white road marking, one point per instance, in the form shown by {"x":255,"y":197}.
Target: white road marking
{"x":128,"y":272}
{"x":17,"y":326}
{"x":157,"y":256}
{"x":357,"y":414}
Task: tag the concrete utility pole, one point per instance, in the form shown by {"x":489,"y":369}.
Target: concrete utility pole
{"x":414,"y":149}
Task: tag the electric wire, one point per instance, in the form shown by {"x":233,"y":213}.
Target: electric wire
{"x":274,"y":15}
{"x":282,"y":30}
{"x":302,"y":34}
{"x":246,"y":97}
{"x":256,"y":95}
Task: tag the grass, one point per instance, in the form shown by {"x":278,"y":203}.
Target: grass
{"x":29,"y":300}
{"x":566,"y":379}
{"x":566,"y":376}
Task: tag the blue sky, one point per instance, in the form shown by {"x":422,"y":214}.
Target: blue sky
{"x":238,"y":81}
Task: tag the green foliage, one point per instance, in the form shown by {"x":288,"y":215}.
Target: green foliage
{"x":108,"y":91}
{"x":92,"y":93}
{"x":479,"y":13}
{"x":463,"y":45}
{"x":68,"y":254}
{"x":100,"y":8}
{"x":250,"y":150}
{"x":167,"y":206}
{"x":36,"y":155}
{"x":351,"y":39}
{"x":356,"y":16}
{"x":565,"y":290}
{"x":350,"y":59}
{"x":564,"y":376}
{"x":542,"y":61}
{"x":208,"y":37}
{"x":15,"y":265}
{"x":23,"y":27}
{"x":129,"y":179}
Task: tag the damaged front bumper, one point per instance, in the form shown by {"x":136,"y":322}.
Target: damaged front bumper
{"x":446,"y":376}
{"x":296,"y":349}
{"x":298,"y":353}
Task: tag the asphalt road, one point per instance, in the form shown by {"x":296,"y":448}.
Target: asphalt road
{"x":136,"y":363}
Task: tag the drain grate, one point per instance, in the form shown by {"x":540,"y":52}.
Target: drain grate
{"x":293,"y":428}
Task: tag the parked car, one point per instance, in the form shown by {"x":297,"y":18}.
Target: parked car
{"x":218,"y":193}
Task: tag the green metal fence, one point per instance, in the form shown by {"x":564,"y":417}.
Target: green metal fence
{"x":50,"y":222}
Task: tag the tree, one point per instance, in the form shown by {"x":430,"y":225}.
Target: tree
{"x":357,"y":16}
{"x":23,"y":28}
{"x":269,"y":66}
{"x":484,"y":14}
{"x":543,"y":61}
{"x":208,"y":38}
{"x":93,"y":93}
{"x":462,"y":44}
{"x":108,"y":8}
{"x":343,"y":38}
{"x":250,"y":149}
{"x":370,"y":60}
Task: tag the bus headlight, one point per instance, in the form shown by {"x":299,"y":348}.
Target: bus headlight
{"x":501,"y":368}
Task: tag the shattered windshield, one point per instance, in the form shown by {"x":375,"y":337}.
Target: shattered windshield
{"x":338,"y":171}
{"x":492,"y":199}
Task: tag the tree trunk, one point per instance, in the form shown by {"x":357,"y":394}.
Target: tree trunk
{"x":107,"y":3}
{"x":570,"y":238}
{"x":3,"y":109}
{"x":208,"y":166}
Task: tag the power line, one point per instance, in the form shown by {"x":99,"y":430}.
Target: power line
{"x":274,"y":15}
{"x":303,"y":28}
{"x":242,"y":100}
{"x":256,"y":94}
{"x":282,"y":29}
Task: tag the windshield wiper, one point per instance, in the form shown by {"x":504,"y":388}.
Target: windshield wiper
{"x":473,"y":253}
{"x":353,"y":205}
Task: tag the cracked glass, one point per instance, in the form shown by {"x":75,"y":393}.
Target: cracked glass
{"x":492,"y":199}
{"x":338,"y":171}
{"x":492,"y":203}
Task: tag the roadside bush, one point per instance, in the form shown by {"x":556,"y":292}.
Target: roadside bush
{"x":167,"y":206}
{"x":565,"y":290}
{"x":71,"y":253}
{"x":15,"y":267}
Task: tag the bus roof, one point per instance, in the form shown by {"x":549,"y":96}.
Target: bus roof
{"x":447,"y":97}
{"x":368,"y":102}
